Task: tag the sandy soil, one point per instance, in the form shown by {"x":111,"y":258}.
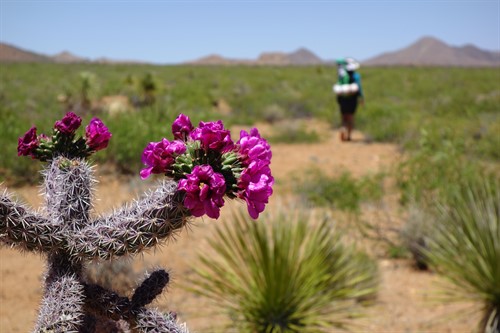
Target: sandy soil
{"x":404,"y":303}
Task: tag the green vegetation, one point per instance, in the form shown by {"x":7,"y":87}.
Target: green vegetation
{"x":286,"y":273}
{"x":435,"y":169}
{"x":343,"y":192}
{"x":455,"y":104}
{"x":464,"y":246}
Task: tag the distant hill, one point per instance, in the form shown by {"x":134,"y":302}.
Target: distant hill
{"x":67,"y":57}
{"x":304,"y":57}
{"x":10,"y":53}
{"x":429,"y":51}
{"x":301,"y":56}
{"x":215,"y":59}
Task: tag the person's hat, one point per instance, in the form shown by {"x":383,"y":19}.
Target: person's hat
{"x":352,"y":64}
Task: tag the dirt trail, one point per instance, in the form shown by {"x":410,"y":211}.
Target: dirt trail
{"x":403,"y":303}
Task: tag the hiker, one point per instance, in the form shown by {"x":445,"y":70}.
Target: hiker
{"x":349,"y":93}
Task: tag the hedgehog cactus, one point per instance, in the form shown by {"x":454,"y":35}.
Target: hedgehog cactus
{"x":69,"y":236}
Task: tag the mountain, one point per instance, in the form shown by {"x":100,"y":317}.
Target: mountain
{"x":109,"y":61}
{"x":10,"y":53}
{"x":299,"y":57}
{"x":67,"y":58}
{"x":215,"y":59}
{"x":273,"y":58}
{"x":304,"y":57}
{"x":429,"y":51}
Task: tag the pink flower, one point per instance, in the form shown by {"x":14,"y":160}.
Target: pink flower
{"x":181,"y":127}
{"x":28,"y":143}
{"x":213,"y":135}
{"x":255,"y":186}
{"x":252,"y":147}
{"x":97,"y":134}
{"x":204,"y":191}
{"x":159,"y":156}
{"x":69,"y":124}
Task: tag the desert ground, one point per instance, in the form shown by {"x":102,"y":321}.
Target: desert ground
{"x":405,"y":302}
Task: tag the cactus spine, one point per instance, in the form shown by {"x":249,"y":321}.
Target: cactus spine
{"x":66,"y":233}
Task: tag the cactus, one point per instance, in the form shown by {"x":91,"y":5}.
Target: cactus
{"x":204,"y":165}
{"x":69,"y":237}
{"x":67,"y":234}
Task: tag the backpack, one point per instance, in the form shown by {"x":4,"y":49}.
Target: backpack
{"x":346,"y":85}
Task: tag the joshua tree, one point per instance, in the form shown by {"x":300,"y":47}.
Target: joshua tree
{"x":69,"y":236}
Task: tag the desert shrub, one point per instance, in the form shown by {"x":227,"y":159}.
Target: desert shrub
{"x":485,"y":136}
{"x":87,"y":88}
{"x":287,"y":273}
{"x":343,"y":192}
{"x":435,"y":172}
{"x":274,"y":113}
{"x":464,"y":246}
{"x":435,"y":169}
{"x":148,"y":89}
{"x":415,"y":233}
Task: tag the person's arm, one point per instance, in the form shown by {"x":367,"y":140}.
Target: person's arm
{"x":361,"y":96}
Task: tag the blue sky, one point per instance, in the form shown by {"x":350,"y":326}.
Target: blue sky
{"x":163,"y":31}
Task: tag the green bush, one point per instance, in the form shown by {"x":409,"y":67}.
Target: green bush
{"x":464,"y":246}
{"x":285,"y":273}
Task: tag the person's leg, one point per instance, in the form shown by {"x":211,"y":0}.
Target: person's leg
{"x":349,"y":119}
{"x":353,"y":104}
{"x":344,"y":128}
{"x":344,"y":109}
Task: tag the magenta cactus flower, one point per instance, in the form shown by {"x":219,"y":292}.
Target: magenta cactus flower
{"x":182,"y":127}
{"x":97,"y":134}
{"x":252,"y":147}
{"x":255,"y":186}
{"x":28,"y":143}
{"x":159,"y":156}
{"x":213,"y":135}
{"x":63,"y":141}
{"x":68,"y":124}
{"x":204,"y":191}
{"x":208,"y":166}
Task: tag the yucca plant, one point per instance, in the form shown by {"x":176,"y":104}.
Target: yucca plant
{"x":286,"y":273}
{"x":464,"y":246}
